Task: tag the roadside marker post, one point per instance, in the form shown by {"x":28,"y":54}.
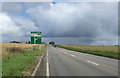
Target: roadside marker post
{"x":40,"y":47}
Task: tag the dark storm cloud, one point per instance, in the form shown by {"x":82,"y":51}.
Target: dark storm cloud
{"x":119,"y":18}
{"x":69,"y":40}
{"x":12,"y":7}
{"x":76,"y":19}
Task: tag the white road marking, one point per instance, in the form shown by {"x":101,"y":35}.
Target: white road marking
{"x":93,"y":55}
{"x":69,"y":54}
{"x":73,"y":55}
{"x":65,"y":53}
{"x":92,"y":62}
{"x":34,"y":72}
{"x":47,"y":66}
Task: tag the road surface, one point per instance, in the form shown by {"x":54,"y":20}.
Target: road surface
{"x":62,"y":62}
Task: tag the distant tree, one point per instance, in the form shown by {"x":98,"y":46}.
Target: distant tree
{"x":52,"y":43}
{"x":15,"y":42}
{"x":28,"y":42}
{"x":12,"y":41}
{"x":43,"y":43}
{"x":116,"y":45}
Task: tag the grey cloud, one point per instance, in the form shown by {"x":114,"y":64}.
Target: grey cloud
{"x":18,"y":7}
{"x":82,"y":40}
{"x":88,"y":23}
{"x":69,"y":40}
{"x":76,"y":19}
{"x":8,"y":26}
{"x":119,"y":23}
{"x":12,"y":7}
{"x":26,"y":25}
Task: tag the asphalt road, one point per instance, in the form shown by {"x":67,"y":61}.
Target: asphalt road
{"x":62,"y":62}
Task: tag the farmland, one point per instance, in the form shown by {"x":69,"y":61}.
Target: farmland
{"x":10,"y":48}
{"x":95,"y":48}
{"x":19,"y":59}
{"x":108,"y":51}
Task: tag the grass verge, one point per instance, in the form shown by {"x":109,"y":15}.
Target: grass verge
{"x":20,"y":62}
{"x":100,"y":53}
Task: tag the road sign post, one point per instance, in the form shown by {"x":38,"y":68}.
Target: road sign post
{"x":35,"y":38}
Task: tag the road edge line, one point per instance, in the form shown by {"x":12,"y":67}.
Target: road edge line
{"x":39,"y":62}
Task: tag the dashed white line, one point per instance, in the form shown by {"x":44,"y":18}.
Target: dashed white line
{"x":92,"y":62}
{"x":47,"y":66}
{"x":65,"y":53}
{"x":73,"y":55}
{"x":69,"y":54}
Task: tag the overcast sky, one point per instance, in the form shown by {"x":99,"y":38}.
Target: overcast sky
{"x":85,"y":23}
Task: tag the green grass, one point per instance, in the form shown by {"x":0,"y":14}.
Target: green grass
{"x":100,"y":53}
{"x":19,"y":62}
{"x":0,"y":67}
{"x":15,"y":66}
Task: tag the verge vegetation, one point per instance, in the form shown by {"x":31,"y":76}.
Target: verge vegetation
{"x":105,"y":51}
{"x":20,"y":59}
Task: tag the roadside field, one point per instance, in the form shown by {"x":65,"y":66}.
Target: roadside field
{"x":9,"y":48}
{"x":107,"y":51}
{"x":0,"y":61}
{"x":19,"y":59}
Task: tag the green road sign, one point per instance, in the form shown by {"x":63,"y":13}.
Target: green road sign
{"x":35,"y":37}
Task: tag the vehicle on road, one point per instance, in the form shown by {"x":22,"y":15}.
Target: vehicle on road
{"x":54,"y":46}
